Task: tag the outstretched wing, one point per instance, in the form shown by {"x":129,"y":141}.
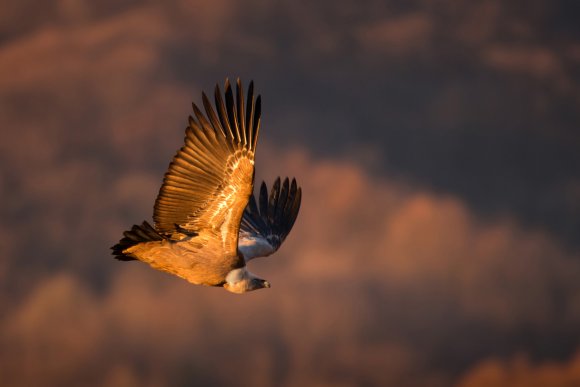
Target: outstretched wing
{"x":210,"y":179}
{"x":265,"y":226}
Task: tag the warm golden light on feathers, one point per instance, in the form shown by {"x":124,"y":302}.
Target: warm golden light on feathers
{"x":204,"y":198}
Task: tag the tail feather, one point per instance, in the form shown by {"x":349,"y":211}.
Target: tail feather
{"x":138,"y":234}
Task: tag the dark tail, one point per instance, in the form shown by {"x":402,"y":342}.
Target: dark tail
{"x":137,"y":234}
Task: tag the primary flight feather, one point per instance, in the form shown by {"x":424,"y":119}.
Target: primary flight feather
{"x":207,"y":223}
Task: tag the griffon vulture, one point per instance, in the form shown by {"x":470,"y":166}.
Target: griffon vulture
{"x":207,"y":224}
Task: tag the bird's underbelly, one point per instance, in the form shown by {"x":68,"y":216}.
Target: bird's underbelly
{"x":200,"y":266}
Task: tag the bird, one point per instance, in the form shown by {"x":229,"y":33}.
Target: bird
{"x":207,"y":221}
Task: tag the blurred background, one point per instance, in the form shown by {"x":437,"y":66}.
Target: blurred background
{"x":437,"y":145}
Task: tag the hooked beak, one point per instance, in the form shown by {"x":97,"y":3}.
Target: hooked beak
{"x":266,"y":284}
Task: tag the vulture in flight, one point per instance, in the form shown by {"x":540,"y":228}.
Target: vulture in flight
{"x":207,"y":224}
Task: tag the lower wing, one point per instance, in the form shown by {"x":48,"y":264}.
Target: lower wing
{"x":266,"y":223}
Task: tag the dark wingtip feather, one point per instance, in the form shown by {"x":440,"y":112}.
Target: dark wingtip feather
{"x":222,"y":113}
{"x":250,"y":115}
{"x":256,"y":121}
{"x":263,"y":199}
{"x":295,"y":208}
{"x":273,"y":201}
{"x":279,"y":213}
{"x":240,"y":112}
{"x":231,"y":115}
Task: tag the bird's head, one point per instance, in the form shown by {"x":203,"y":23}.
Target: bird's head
{"x":241,"y":281}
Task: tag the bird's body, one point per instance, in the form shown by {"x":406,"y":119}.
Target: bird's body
{"x":204,"y":198}
{"x":197,"y":260}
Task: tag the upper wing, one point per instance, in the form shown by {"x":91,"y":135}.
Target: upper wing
{"x":210,"y":179}
{"x":264,"y":229}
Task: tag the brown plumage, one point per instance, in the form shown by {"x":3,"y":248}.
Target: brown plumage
{"x":199,"y":208}
{"x":205,"y":193}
